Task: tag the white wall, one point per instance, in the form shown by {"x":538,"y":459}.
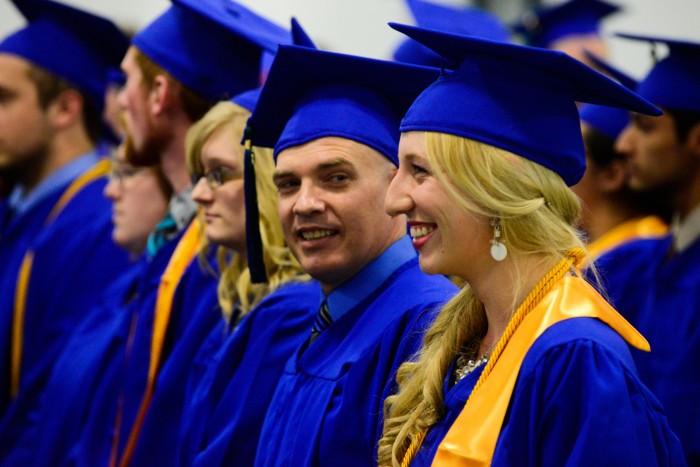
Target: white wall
{"x":359,"y":26}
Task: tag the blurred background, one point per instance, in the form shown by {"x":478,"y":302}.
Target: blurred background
{"x":359,"y":26}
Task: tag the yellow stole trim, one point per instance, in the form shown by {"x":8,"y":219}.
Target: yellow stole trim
{"x":472,"y":438}
{"x":183,"y":255}
{"x":647,"y":227}
{"x":99,"y":170}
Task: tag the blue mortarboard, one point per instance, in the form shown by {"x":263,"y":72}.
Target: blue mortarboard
{"x":674,"y":81}
{"x":466,"y":20}
{"x":311,"y":94}
{"x":73,"y":44}
{"x":543,"y":26}
{"x":248,"y":99}
{"x":213,"y":47}
{"x":609,"y":121}
{"x":518,"y":98}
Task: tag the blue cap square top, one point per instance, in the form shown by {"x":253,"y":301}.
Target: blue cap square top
{"x":463,"y":20}
{"x":518,"y":98}
{"x":73,"y":44}
{"x":213,"y":47}
{"x":544,"y":26}
{"x":674,"y":81}
{"x":311,"y":94}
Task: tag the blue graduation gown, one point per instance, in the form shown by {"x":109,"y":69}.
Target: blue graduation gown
{"x":89,"y":356}
{"x":223,"y":421}
{"x":327,"y":409}
{"x":75,"y":260}
{"x":660,"y":296}
{"x":577,"y":401}
{"x":194,"y":311}
{"x":94,"y":443}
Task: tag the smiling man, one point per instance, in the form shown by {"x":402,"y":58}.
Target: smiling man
{"x":335,"y":133}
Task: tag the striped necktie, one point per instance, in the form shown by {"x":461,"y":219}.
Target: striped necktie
{"x":323,"y":320}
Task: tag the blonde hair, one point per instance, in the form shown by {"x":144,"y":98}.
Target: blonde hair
{"x":235,"y":287}
{"x":538,"y":215}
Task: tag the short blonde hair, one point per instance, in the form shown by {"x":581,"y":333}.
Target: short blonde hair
{"x":235,"y":287}
{"x":539,"y":215}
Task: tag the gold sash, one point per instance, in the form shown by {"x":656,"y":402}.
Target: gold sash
{"x":472,"y":438}
{"x":25,"y":272}
{"x":647,"y":227}
{"x":183,"y":255}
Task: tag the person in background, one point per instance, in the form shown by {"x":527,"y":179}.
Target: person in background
{"x":528,"y":364}
{"x":190,"y":57}
{"x":139,"y":198}
{"x":571,"y":26}
{"x":56,"y":252}
{"x":335,"y":142}
{"x":613,"y":214}
{"x":237,"y":367}
{"x":656,"y":282}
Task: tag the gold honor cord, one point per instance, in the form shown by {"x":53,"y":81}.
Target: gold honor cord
{"x":533,"y":298}
{"x":99,"y":170}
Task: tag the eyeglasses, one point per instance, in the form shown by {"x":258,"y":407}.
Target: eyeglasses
{"x":217,"y":177}
{"x":121,"y":171}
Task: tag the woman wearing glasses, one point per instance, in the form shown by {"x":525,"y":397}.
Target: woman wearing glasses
{"x":225,"y":393}
{"x":139,"y":200}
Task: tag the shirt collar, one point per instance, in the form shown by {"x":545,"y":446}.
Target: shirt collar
{"x":370,"y":278}
{"x":182,"y":208}
{"x":685,"y":232}
{"x":21,"y":203}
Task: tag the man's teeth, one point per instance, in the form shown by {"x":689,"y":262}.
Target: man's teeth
{"x":314,"y":234}
{"x":417,"y":232}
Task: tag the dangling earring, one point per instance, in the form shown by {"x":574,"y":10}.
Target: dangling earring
{"x":498,"y":248}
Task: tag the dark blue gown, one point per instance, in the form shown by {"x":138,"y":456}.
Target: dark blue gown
{"x":89,"y":356}
{"x":75,"y":261}
{"x":230,"y":387}
{"x":327,"y":409}
{"x":577,"y":401}
{"x":659,"y":293}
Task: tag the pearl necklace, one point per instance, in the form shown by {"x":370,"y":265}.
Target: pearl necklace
{"x":465,"y":365}
{"x":572,"y":259}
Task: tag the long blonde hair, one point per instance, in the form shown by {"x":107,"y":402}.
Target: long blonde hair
{"x":538,"y":215}
{"x":235,"y":287}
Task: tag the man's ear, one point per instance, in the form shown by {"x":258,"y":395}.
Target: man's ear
{"x":613,"y":177}
{"x":161,"y":96}
{"x":66,"y":109}
{"x":692,"y":142}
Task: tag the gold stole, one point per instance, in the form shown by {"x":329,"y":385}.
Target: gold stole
{"x":99,"y":170}
{"x":647,"y":227}
{"x":472,"y":438}
{"x":184,"y":253}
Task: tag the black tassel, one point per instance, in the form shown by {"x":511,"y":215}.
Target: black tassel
{"x":258,"y":274}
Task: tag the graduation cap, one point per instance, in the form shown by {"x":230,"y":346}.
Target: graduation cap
{"x":213,"y":47}
{"x":73,"y":44}
{"x":609,"y":121}
{"x":518,"y":98}
{"x":543,"y":26}
{"x":674,"y":81}
{"x":466,"y":20}
{"x":311,"y":94}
